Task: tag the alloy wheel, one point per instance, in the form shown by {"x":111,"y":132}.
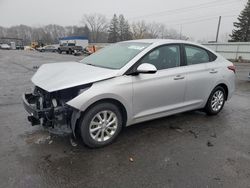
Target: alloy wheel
{"x":103,"y":126}
{"x":217,"y":100}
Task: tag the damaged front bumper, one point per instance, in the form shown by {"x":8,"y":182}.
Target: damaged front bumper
{"x":29,"y":103}
{"x":55,"y":118}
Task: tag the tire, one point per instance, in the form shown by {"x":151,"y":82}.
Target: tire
{"x":59,"y":51}
{"x":70,"y":51}
{"x":98,"y":137}
{"x":216,"y":101}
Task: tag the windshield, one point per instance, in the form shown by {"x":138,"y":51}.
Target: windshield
{"x":115,"y":56}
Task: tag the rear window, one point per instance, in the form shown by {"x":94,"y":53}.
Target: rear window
{"x":196,"y":55}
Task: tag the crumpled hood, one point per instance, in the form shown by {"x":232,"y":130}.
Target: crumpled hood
{"x":58,"y":76}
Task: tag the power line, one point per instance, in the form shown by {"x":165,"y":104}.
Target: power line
{"x":224,"y":14}
{"x":200,"y":20}
{"x":189,"y":8}
{"x":186,"y":9}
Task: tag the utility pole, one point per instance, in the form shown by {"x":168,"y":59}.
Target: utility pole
{"x":180,"y":31}
{"x":218,"y":30}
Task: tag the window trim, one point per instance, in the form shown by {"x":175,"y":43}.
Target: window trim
{"x":132,"y":69}
{"x":210,"y":54}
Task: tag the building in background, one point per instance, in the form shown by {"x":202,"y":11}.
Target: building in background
{"x":77,"y":40}
{"x":14,"y":43}
{"x":236,"y":51}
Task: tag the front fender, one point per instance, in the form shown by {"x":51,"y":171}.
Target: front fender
{"x":119,"y":89}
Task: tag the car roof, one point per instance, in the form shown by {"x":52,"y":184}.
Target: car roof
{"x":158,"y":42}
{"x":162,"y":41}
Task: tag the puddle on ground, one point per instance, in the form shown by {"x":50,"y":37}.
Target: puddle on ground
{"x":39,"y":137}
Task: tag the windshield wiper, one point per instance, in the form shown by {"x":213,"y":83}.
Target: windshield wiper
{"x":91,"y":64}
{"x":98,"y":66}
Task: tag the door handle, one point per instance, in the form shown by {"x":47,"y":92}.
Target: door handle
{"x":213,"y":71}
{"x":179,"y":77}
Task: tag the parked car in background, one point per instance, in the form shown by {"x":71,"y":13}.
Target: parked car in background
{"x":69,"y":48}
{"x":5,"y":47}
{"x":48,"y":48}
{"x":127,"y":83}
{"x":19,"y":47}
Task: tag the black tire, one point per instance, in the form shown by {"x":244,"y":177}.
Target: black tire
{"x":70,"y":51}
{"x":208,"y":108}
{"x":87,"y":118}
{"x":59,"y":51}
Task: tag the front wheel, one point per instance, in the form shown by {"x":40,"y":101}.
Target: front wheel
{"x":215,"y":101}
{"x":101,"y":125}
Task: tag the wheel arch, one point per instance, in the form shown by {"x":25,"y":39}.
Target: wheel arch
{"x":77,"y":115}
{"x":225,"y":87}
{"x":115,"y":102}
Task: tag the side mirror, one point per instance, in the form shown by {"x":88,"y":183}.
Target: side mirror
{"x":146,"y":68}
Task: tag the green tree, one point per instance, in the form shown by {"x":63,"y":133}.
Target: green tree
{"x":124,"y":29}
{"x":113,"y":30}
{"x":241,"y":33}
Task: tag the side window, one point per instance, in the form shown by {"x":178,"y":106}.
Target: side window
{"x":196,"y":55}
{"x":164,"y":57}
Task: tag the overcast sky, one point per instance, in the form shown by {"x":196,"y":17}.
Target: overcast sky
{"x":197,"y":18}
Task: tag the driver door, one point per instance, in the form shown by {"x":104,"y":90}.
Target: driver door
{"x":162,"y":93}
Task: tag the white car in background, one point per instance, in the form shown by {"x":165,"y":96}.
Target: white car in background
{"x":48,"y":48}
{"x":5,"y":47}
{"x":128,"y":83}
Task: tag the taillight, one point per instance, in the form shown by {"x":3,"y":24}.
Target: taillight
{"x":232,"y":68}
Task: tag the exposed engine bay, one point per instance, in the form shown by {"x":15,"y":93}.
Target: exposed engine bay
{"x":50,"y":109}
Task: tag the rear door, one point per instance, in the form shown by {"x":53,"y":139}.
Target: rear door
{"x":200,"y":78}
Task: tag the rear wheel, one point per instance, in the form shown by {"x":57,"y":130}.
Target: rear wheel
{"x":215,"y":101}
{"x":101,"y":125}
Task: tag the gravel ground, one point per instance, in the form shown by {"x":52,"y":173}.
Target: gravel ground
{"x":184,"y":150}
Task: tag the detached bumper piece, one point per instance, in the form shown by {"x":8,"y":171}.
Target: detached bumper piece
{"x":30,"y":103}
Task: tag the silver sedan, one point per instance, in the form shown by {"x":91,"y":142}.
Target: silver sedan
{"x":127,"y":83}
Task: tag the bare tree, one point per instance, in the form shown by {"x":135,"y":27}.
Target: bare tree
{"x":95,"y":27}
{"x":224,"y":37}
{"x":48,"y":34}
{"x":139,"y":30}
{"x":97,"y":24}
{"x":155,"y":30}
{"x":172,"y":34}
{"x":142,"y":30}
